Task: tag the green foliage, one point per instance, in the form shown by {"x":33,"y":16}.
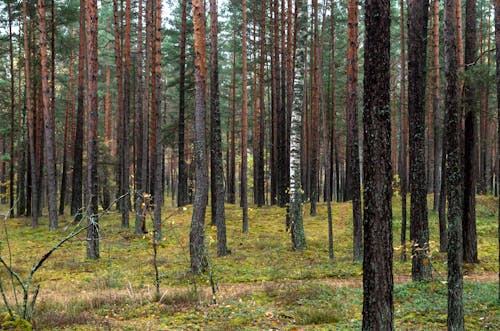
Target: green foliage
{"x":8,"y":322}
{"x":263,"y":284}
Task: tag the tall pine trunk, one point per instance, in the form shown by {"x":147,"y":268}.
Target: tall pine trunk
{"x":48,"y":116}
{"x":417,"y":54}
{"x":217,"y":168}
{"x":378,"y":309}
{"x":77,"y":179}
{"x":244,"y":121}
{"x":352,"y":188}
{"x":470,"y":142}
{"x":197,"y":232}
{"x":454,"y":180}
{"x":92,"y":128}
{"x":182,"y":189}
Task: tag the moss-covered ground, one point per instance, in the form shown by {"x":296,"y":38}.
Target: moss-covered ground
{"x":262,"y":284}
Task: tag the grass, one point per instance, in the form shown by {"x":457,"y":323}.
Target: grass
{"x":263,"y":284}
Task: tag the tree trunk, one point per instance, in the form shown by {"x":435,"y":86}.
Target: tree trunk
{"x":48,"y":116}
{"x":197,"y":233}
{"x":92,"y":150}
{"x":217,"y":168}
{"x":417,"y":55}
{"x":352,"y":188}
{"x":454,"y":180}
{"x":76,"y":196}
{"x":470,"y":149}
{"x":259,"y":158}
{"x":12,"y":105}
{"x":31,"y":121}
{"x":244,"y":120}
{"x":126,"y":120}
{"x":403,"y":139}
{"x":140,"y":203}
{"x":68,"y":118}
{"x":182,"y":189}
{"x":438,"y":147}
{"x":378,"y":309}
{"x":231,"y":175}
{"x":295,"y":210}
{"x":158,"y":147}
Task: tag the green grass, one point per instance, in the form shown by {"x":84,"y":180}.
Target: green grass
{"x":263,"y":284}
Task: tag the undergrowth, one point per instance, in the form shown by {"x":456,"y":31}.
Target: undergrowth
{"x":263,"y":284}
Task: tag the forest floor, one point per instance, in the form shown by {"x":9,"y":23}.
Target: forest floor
{"x":262,"y":284}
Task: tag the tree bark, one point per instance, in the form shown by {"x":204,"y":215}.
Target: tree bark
{"x":417,"y":54}
{"x":497,"y":60}
{"x":403,"y":139}
{"x":197,"y":233}
{"x":244,"y":120}
{"x":295,"y":210}
{"x":158,"y":147}
{"x":92,"y":150}
{"x":217,"y":168}
{"x":77,"y":186}
{"x":140,"y":203}
{"x":48,"y":116}
{"x":454,"y":180}
{"x":182,"y":189}
{"x":12,"y":106}
{"x":352,"y":188}
{"x":470,"y":141}
{"x":378,"y":309}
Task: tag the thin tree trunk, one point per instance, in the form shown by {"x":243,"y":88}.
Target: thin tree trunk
{"x":217,"y":168}
{"x":244,"y":120}
{"x":77,"y":179}
{"x":92,"y":150}
{"x":182,"y":189}
{"x":31,"y":121}
{"x":158,"y":147}
{"x":438,"y":148}
{"x":497,"y":60}
{"x":315,"y":112}
{"x":68,"y":118}
{"x":231,"y":176}
{"x":352,"y":188}
{"x":12,"y":106}
{"x":403,"y":139}
{"x":140,"y":216}
{"x":48,"y":116}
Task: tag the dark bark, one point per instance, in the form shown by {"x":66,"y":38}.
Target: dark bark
{"x":12,"y":106}
{"x":454,"y":180}
{"x":217,"y":168}
{"x":438,"y":142}
{"x":231,"y":174}
{"x":140,"y":203}
{"x":158,"y":147}
{"x":197,"y":233}
{"x":470,"y":140}
{"x":68,"y":119}
{"x":182,"y":188}
{"x":314,"y":179}
{"x":403,"y":150}
{"x":418,"y":12}
{"x":92,"y":150}
{"x":77,"y":179}
{"x":378,"y":309}
{"x":244,"y":121}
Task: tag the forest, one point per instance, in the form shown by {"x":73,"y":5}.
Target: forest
{"x":249,"y":165}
